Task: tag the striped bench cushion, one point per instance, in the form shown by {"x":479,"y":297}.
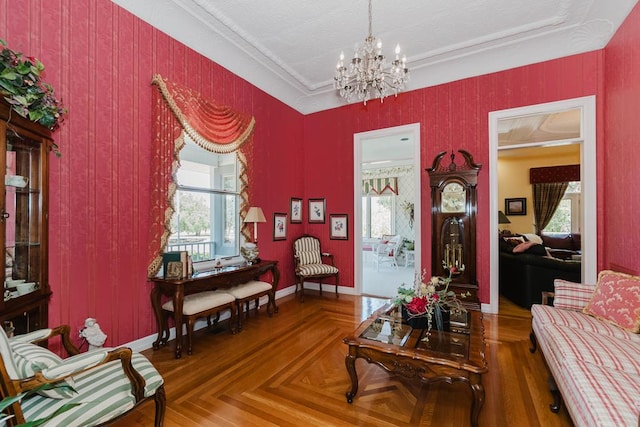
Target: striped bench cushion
{"x":597,"y":396}
{"x":103,"y":393}
{"x":545,"y":315}
{"x":574,"y":344}
{"x":201,"y":301}
{"x":314,"y":269}
{"x":246,"y":290}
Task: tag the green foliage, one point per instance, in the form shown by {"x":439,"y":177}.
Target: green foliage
{"x":193,"y":216}
{"x":22,"y":87}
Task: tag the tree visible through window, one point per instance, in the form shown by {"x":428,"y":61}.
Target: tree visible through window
{"x":566,"y":219}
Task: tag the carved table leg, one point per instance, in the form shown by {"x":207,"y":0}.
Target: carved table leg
{"x":178,"y":300}
{"x":534,"y":342}
{"x":477,"y":389}
{"x":350,"y":363}
{"x":160,"y":321}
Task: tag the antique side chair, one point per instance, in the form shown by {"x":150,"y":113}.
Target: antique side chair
{"x":309,"y":265}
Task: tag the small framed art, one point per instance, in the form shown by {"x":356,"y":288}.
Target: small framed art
{"x":279,"y":226}
{"x":317,"y":211}
{"x":516,"y":206}
{"x":339,"y":227}
{"x":296,"y":211}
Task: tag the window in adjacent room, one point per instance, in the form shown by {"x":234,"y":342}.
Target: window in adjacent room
{"x":566,"y":219}
{"x":377,"y":215}
{"x":206,"y":222}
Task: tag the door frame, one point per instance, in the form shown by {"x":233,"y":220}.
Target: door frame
{"x":358,"y":140}
{"x":588,"y":172}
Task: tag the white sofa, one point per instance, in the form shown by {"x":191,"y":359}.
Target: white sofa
{"x":594,"y":359}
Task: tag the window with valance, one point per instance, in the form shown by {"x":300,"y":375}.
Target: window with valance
{"x":183,"y":114}
{"x":380,"y":186}
{"x":549,"y":186}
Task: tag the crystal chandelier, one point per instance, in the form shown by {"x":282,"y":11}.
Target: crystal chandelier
{"x":368,"y":75}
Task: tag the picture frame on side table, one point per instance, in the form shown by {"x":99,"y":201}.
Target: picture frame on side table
{"x":339,"y":227}
{"x":279,"y":226}
{"x":515,"y":206}
{"x":295,"y":211}
{"x":317,"y":208}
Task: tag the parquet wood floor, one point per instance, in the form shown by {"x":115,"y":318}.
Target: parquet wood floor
{"x":289,"y":371}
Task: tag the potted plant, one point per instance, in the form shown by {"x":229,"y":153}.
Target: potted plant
{"x":23,"y":89}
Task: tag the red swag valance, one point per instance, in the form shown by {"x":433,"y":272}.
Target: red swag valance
{"x":566,"y":173}
{"x":219,"y":129}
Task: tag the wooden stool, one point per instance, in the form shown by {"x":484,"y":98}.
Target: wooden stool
{"x":246,"y":292}
{"x":203,"y":304}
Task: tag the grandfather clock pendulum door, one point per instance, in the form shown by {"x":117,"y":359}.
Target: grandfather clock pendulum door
{"x":453,"y":216}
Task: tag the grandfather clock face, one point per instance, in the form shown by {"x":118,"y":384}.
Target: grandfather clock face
{"x":453,"y":198}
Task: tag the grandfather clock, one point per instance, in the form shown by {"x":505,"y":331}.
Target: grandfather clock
{"x":453,"y":218}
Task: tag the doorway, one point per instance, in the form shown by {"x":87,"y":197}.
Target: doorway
{"x":378,"y":155}
{"x":586,"y":139}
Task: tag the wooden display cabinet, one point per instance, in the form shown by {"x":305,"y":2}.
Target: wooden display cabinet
{"x":24,"y":203}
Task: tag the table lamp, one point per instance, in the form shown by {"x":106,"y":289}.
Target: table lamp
{"x":502,"y":219}
{"x":250,"y":249}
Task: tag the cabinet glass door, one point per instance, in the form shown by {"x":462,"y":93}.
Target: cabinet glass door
{"x":21,"y":216}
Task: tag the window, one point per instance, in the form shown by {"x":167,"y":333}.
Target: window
{"x":206,"y":222}
{"x":377,"y":215}
{"x":566,"y":219}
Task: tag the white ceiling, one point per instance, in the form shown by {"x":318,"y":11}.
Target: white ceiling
{"x":289,"y":48}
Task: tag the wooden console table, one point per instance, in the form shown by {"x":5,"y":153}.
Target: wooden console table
{"x":219,"y":278}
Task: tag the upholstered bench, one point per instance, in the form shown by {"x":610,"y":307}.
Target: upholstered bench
{"x":246,"y":292}
{"x":203,"y":304}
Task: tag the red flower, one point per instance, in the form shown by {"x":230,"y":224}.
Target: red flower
{"x":418,"y":305}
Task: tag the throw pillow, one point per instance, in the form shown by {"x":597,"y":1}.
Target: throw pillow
{"x":30,"y":358}
{"x":531,"y":237}
{"x":570,"y":295}
{"x":617,"y":300}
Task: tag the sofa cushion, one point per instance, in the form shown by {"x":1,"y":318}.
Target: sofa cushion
{"x":571,"y":295}
{"x":609,"y":352}
{"x":530,"y":248}
{"x":597,"y":396}
{"x":617,"y":300}
{"x":545,"y":315}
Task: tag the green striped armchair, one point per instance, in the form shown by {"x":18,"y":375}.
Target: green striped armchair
{"x":309,"y":265}
{"x":85,"y":389}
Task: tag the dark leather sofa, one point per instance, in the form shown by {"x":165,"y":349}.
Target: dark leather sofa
{"x":524,"y":276}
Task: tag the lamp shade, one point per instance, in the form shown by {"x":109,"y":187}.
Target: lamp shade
{"x":255,"y":214}
{"x":502,"y":218}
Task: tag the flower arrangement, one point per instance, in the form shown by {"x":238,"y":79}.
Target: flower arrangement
{"x":429,"y":299}
{"x":22,"y":87}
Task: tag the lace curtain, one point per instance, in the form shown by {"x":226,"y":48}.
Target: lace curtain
{"x":180,"y":111}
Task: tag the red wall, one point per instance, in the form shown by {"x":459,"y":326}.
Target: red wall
{"x":452,"y":116}
{"x":621,"y":155}
{"x":100,"y":59}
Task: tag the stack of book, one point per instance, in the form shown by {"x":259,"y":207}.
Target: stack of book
{"x":176,"y":265}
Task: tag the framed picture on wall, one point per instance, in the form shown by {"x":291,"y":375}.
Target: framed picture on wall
{"x":317,"y":211}
{"x":515,"y":206}
{"x":296,"y":211}
{"x":279,"y":226}
{"x":339,"y":227}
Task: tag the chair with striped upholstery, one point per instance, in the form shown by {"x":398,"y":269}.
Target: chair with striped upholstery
{"x":85,"y":389}
{"x":309,"y":265}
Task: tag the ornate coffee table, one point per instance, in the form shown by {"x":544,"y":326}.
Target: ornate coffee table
{"x":453,"y":356}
